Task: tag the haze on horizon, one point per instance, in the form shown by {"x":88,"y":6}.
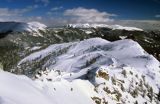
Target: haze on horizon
{"x":61,"y":12}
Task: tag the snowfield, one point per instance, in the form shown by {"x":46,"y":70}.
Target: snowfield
{"x":92,"y":71}
{"x":22,"y":90}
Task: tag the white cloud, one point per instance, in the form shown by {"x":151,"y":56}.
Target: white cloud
{"x":35,"y":6}
{"x":34,"y":18}
{"x":7,"y":14}
{"x":143,"y":24}
{"x":56,"y":8}
{"x":16,"y":12}
{"x":49,"y":13}
{"x":83,"y":15}
{"x":76,"y":15}
{"x":157,"y":16}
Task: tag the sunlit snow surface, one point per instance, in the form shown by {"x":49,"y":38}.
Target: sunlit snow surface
{"x":84,"y":73}
{"x":113,"y":27}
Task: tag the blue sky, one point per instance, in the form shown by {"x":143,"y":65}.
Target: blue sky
{"x":64,"y":11}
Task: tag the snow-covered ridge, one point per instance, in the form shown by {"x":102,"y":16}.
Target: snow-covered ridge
{"x":21,"y":26}
{"x":79,"y":57}
{"x":86,"y":25}
{"x":114,"y":27}
{"x":93,"y":71}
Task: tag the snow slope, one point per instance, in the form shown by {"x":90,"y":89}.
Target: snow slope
{"x":20,"y":27}
{"x":92,"y":53}
{"x":114,"y":27}
{"x":93,"y":71}
{"x":73,"y":56}
{"x":22,"y":90}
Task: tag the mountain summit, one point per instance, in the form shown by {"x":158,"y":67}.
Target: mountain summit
{"x":21,"y":26}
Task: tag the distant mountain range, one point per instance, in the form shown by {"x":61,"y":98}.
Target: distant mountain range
{"x":113,"y":27}
{"x":35,"y":26}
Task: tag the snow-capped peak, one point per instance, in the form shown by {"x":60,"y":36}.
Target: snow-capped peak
{"x":37,"y":26}
{"x":113,"y":27}
{"x":119,"y":27}
{"x":86,"y":25}
{"x":21,"y":26}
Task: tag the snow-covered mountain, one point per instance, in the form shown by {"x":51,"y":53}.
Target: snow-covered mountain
{"x":21,"y":26}
{"x":93,"y":71}
{"x":71,"y":64}
{"x":86,"y":25}
{"x":27,"y":42}
{"x":114,"y":27}
{"x":119,"y":27}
